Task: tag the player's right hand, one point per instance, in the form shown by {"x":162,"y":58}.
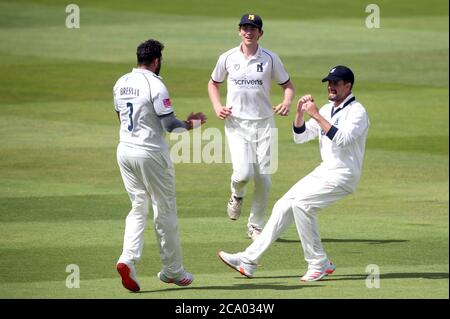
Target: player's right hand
{"x":223,"y":112}
{"x":302,"y":101}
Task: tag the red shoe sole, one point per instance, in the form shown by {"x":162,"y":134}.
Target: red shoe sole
{"x":127,"y":281}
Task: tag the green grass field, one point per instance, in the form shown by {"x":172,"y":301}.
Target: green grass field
{"x":62,"y":200}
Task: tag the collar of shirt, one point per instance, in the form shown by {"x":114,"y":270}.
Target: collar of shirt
{"x":334,"y":109}
{"x":145,"y":71}
{"x":257,"y":54}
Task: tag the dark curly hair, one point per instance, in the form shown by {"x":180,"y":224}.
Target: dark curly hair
{"x":148,"y":51}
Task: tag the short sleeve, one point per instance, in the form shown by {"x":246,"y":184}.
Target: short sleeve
{"x":116,"y":107}
{"x":220,"y":72}
{"x":161,"y":100}
{"x":279,"y":73}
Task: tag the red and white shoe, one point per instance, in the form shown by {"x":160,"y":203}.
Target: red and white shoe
{"x":184,"y":280}
{"x":236,"y":263}
{"x":330,"y":268}
{"x":317,"y":274}
{"x":129,"y":278}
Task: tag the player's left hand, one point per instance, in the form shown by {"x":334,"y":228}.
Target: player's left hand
{"x":282,"y":109}
{"x":310,"y":108}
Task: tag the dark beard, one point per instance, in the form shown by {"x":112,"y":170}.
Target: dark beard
{"x":158,"y":69}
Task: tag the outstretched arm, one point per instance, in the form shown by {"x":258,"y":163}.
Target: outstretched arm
{"x":170,"y":122}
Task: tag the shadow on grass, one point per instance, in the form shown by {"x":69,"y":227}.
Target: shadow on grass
{"x":253,"y":286}
{"x":406,"y":275}
{"x":335,"y":277}
{"x":278,"y":286}
{"x":334,"y":240}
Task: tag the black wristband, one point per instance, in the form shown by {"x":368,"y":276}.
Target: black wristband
{"x":299,"y":130}
{"x":332,"y":132}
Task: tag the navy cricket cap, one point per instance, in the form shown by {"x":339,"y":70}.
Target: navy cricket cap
{"x":340,"y":72}
{"x":252,"y":19}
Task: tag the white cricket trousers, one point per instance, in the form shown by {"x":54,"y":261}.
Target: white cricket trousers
{"x":300,"y":204}
{"x":253,"y":155}
{"x":149,"y":176}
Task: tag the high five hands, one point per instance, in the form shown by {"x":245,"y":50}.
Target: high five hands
{"x":195,"y":120}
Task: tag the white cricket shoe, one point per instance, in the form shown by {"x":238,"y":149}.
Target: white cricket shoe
{"x":128,"y":274}
{"x":234,"y":261}
{"x":253,"y":232}
{"x":234,"y":207}
{"x":184,"y":280}
{"x":317,"y":274}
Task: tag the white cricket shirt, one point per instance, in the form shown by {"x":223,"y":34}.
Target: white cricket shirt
{"x":141,"y":98}
{"x":342,"y":148}
{"x":249,"y":81}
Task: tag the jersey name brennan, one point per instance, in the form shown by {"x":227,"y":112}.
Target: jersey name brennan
{"x":129,"y":91}
{"x":141,"y":98}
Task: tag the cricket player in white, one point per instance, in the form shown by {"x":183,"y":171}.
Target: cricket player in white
{"x":145,"y":112}
{"x":341,"y":127}
{"x":248,"y":115}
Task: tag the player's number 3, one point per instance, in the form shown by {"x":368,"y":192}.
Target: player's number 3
{"x":130,"y":114}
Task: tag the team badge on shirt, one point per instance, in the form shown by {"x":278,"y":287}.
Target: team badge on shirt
{"x":259,"y":67}
{"x":237,"y":66}
{"x":167,"y":103}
